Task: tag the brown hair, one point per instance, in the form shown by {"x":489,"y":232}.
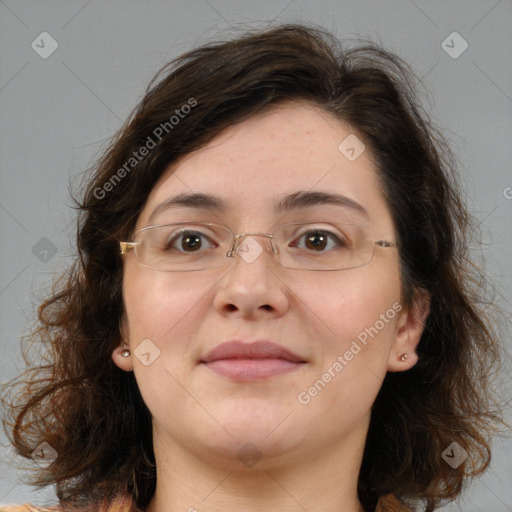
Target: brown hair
{"x":91,"y":412}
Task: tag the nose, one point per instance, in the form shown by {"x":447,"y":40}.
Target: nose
{"x":252,"y":286}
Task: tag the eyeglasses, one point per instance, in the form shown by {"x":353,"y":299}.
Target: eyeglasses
{"x":185,"y":247}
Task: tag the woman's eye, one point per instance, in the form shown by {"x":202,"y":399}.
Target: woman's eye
{"x":318,"y":241}
{"x":188,"y":241}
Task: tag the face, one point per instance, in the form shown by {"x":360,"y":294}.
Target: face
{"x":345,"y":326}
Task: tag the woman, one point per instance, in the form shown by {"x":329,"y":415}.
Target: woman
{"x":272,"y":308}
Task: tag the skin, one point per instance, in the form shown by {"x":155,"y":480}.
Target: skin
{"x":310,"y":453}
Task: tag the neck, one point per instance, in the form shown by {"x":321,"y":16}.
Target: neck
{"x":324,"y":480}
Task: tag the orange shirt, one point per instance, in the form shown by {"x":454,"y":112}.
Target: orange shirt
{"x":387,"y":503}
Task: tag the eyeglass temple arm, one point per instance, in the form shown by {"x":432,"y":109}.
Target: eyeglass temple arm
{"x":126,"y":246}
{"x":385,"y":243}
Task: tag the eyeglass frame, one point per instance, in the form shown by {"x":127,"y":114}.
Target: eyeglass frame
{"x":126,"y":246}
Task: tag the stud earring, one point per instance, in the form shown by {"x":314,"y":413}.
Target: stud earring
{"x":125,"y":352}
{"x":403,"y":357}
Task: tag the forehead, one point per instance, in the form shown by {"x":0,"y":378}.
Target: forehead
{"x":253,"y":165}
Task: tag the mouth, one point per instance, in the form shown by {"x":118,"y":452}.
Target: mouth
{"x":246,"y":362}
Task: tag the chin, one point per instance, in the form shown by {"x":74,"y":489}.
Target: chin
{"x":250,"y":452}
{"x":255,"y":417}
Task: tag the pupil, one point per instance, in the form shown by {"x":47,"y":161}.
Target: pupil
{"x":320,"y":240}
{"x":191,"y":241}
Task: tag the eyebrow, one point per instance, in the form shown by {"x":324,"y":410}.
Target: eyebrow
{"x":297,"y":200}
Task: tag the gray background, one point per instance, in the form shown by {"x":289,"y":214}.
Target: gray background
{"x":57,"y":112}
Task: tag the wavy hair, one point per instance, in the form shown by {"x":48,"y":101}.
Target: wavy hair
{"x":92,"y":413}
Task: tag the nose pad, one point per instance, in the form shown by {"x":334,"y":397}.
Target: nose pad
{"x":249,"y":248}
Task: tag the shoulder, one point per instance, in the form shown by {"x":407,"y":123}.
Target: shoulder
{"x":120,"y":504}
{"x":390,"y":503}
{"x":26,"y":507}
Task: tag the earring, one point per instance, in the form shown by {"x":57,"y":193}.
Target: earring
{"x":125,"y":352}
{"x":403,"y":357}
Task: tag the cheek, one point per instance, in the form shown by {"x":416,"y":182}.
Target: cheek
{"x":168,"y":310}
{"x":160,"y":307}
{"x":354,"y":300}
{"x":158,"y":302}
{"x":360,"y":311}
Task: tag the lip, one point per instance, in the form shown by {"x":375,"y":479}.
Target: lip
{"x":243,"y":362}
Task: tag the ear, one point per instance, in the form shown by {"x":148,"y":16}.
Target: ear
{"x":123,"y":362}
{"x":409,"y":329}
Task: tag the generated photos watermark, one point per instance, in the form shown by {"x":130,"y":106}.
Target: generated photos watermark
{"x":44,"y":455}
{"x":151,"y":142}
{"x":304,"y":397}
